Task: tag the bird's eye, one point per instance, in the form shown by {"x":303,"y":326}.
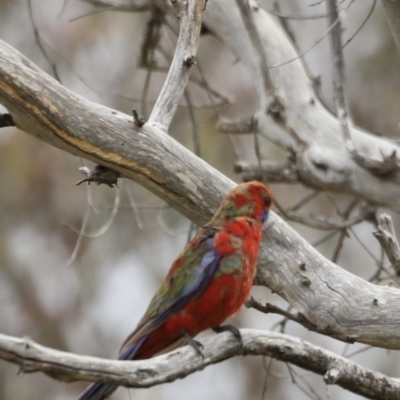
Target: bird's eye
{"x":267,"y":200}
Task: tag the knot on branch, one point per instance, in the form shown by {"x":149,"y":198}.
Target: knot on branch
{"x":99,"y":175}
{"x":276,"y":109}
{"x":380,"y":167}
{"x":189,"y":61}
{"x":6,"y":120}
{"x":138,"y":120}
{"x":332,"y":375}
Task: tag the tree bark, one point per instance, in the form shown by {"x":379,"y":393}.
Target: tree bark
{"x":331,"y":300}
{"x":32,"y":357}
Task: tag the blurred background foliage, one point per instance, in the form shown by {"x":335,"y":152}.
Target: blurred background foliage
{"x":86,"y":298}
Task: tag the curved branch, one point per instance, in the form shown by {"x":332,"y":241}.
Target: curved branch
{"x":190,"y":13}
{"x":32,"y":357}
{"x":302,"y":124}
{"x":336,"y":302}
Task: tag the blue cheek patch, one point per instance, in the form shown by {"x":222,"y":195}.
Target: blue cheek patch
{"x":264,"y":216}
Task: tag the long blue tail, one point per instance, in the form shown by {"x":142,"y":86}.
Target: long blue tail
{"x":101,"y":391}
{"x":98,"y":391}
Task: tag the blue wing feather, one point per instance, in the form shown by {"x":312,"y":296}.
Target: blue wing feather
{"x":201,"y":275}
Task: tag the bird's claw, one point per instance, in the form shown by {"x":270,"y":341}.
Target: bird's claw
{"x":197,"y":346}
{"x":230,"y":328}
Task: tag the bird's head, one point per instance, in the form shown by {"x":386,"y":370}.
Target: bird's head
{"x":250,"y":200}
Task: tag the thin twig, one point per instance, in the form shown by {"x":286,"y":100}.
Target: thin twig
{"x":251,"y":28}
{"x":335,"y":36}
{"x":386,"y":236}
{"x":304,"y":201}
{"x":267,"y":370}
{"x":318,"y":223}
{"x":108,"y":223}
{"x":270,"y":308}
{"x":308,"y":390}
{"x":343,"y":234}
{"x":389,"y":162}
{"x":130,"y":6}
{"x":39,"y":43}
{"x":190,"y":16}
{"x":81,"y":235}
{"x":325,"y":238}
{"x":135,"y":208}
{"x":193,"y":122}
{"x":371,"y":10}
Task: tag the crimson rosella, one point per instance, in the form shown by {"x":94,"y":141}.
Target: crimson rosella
{"x":208,"y":282}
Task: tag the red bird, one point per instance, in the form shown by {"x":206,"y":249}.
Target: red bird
{"x":207,"y":283}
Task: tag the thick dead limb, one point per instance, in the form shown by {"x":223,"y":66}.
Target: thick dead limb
{"x":303,"y":125}
{"x":335,"y":301}
{"x":32,"y":357}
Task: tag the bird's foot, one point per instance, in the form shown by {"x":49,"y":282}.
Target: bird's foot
{"x":230,"y":328}
{"x":194,"y":343}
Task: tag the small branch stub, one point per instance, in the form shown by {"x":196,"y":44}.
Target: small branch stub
{"x":189,"y":61}
{"x":332,"y":376}
{"x":139,"y":121}
{"x":270,"y":308}
{"x":99,"y":175}
{"x":276,"y":110}
{"x":6,"y":120}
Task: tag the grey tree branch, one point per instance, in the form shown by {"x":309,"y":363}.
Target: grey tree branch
{"x":310,"y":130}
{"x":338,"y":303}
{"x":335,"y":36}
{"x":273,"y":172}
{"x":241,"y":127}
{"x":190,"y":14}
{"x":32,"y":357}
{"x":245,"y":11}
{"x":389,"y":162}
{"x":123,"y":5}
{"x":330,"y":299}
{"x":386,"y":236}
{"x":392,"y":11}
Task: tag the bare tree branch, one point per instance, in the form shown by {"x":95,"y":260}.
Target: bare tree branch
{"x":236,"y":127}
{"x":123,"y":5}
{"x":335,"y":36}
{"x":328,"y":299}
{"x":32,"y":357}
{"x":310,"y":130}
{"x":338,"y":303}
{"x":273,"y":172}
{"x":386,"y":236}
{"x":392,"y":11}
{"x":251,"y":28}
{"x":389,"y":163}
{"x":190,"y":14}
